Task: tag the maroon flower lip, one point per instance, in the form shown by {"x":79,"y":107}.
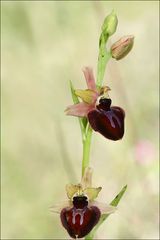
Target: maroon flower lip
{"x":107,"y":120}
{"x":81,"y":218}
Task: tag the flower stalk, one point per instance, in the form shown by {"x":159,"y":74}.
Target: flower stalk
{"x":103,"y":58}
{"x":86,"y":148}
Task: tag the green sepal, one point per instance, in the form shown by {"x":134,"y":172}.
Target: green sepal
{"x":72,"y":189}
{"x":92,"y":193}
{"x":86,"y":95}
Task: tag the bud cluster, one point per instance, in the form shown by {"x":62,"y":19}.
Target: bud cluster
{"x":121,"y":47}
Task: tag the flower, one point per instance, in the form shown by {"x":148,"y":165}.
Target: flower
{"x":96,"y":106}
{"x":81,"y":212}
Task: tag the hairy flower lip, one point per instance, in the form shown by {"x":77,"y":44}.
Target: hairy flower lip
{"x":79,"y":222}
{"x":107,"y":120}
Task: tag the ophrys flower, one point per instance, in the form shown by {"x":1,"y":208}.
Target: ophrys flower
{"x":96,"y":107}
{"x":81,"y":212}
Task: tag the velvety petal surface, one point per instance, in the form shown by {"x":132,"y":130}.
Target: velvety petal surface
{"x":110,"y":124}
{"x":79,"y":222}
{"x":109,"y":121}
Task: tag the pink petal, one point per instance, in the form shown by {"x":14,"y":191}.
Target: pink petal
{"x":79,"y":109}
{"x":88,"y":73}
{"x":95,"y":96}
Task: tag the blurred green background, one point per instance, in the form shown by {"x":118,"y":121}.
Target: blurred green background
{"x":44,"y":45}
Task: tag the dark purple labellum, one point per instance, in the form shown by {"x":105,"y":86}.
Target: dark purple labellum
{"x":81,"y":218}
{"x":107,"y":120}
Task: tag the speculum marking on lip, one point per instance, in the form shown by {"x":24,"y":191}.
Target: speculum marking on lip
{"x":107,"y":120}
{"x":80,"y":221}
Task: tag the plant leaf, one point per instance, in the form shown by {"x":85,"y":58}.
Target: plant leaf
{"x":116,"y":200}
{"x":74,"y":96}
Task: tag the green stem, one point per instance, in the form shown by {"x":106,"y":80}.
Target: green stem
{"x":86,"y":148}
{"x":103,"y":58}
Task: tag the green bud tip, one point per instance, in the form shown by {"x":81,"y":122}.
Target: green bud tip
{"x":110,"y":24}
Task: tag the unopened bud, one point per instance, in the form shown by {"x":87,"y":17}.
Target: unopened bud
{"x":122,"y":47}
{"x":110,"y":24}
